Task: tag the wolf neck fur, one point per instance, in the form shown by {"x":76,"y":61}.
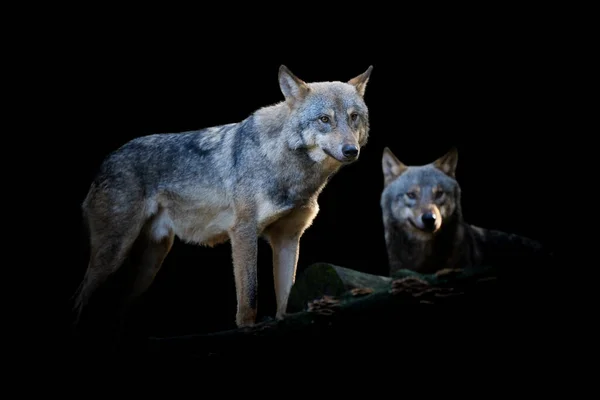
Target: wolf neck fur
{"x":283,"y":147}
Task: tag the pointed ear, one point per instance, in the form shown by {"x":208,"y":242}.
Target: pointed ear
{"x":291,"y":86}
{"x":392,"y":167}
{"x":447,"y":162}
{"x":360,"y":81}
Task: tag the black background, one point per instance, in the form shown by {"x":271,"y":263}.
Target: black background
{"x":494,"y":90}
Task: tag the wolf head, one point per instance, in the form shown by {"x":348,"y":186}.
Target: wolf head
{"x":420,"y":199}
{"x":328,"y":119}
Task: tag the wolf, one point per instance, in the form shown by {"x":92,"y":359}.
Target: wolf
{"x":257,"y":178}
{"x":424,"y":226}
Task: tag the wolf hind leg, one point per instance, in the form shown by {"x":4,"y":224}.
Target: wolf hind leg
{"x":147,"y":256}
{"x":156,"y":241}
{"x":110,"y":244}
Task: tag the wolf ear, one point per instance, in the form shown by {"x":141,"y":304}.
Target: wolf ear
{"x":360,"y":81}
{"x":291,"y":86}
{"x":392,"y":167}
{"x":447,"y":162}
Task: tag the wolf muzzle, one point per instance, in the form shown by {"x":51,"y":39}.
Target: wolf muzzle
{"x":347,"y":153}
{"x":429,"y":221}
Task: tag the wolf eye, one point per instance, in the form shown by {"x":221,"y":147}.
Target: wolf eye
{"x":353,"y":116}
{"x":411,"y":195}
{"x":324,"y":119}
{"x":439,"y":194}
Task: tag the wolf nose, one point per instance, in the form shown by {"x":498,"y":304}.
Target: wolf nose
{"x":428,"y":220}
{"x":349,"y":151}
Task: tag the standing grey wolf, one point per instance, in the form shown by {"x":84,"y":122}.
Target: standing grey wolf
{"x":260,"y":177}
{"x":423,"y":221}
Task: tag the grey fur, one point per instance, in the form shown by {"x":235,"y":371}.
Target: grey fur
{"x":260,"y":177}
{"x":453,"y":243}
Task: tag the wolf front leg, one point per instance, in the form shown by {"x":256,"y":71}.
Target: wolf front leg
{"x":244,"y":247}
{"x":284,"y":238}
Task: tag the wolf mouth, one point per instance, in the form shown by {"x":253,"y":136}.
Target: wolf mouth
{"x":421,"y":229}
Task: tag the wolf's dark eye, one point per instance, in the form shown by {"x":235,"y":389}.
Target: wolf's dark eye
{"x":353,"y":116}
{"x":324,"y":119}
{"x":439,"y":194}
{"x":411,"y":195}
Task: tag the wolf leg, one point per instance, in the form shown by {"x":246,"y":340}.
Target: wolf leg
{"x":285,"y":260}
{"x":284,"y":238}
{"x":244,"y":247}
{"x":149,"y":253}
{"x":104,"y":261}
{"x":157,"y":240}
{"x":109,"y":248}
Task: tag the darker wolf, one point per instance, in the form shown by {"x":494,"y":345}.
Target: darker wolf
{"x":423,"y":221}
{"x":259,"y":177}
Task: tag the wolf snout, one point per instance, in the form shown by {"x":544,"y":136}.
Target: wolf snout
{"x":428,"y":219}
{"x":349,"y":151}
